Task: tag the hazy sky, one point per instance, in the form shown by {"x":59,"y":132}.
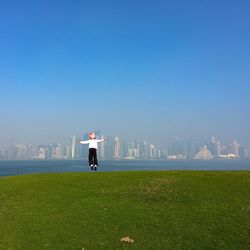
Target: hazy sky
{"x":134,"y":68}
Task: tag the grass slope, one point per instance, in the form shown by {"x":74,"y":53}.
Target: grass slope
{"x":159,"y":210}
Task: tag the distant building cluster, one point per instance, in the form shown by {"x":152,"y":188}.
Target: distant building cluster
{"x":213,"y":149}
{"x":116,"y":148}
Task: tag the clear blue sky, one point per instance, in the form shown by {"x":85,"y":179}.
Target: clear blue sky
{"x":134,"y":68}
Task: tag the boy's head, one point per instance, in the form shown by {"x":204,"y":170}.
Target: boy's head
{"x":92,"y":135}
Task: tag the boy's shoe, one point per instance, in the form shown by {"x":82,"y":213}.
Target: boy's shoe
{"x":95,"y":168}
{"x":92,"y":167}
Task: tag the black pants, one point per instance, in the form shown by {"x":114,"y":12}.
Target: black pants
{"x":93,"y":157}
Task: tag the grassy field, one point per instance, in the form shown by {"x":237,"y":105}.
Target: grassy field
{"x":158,"y":210}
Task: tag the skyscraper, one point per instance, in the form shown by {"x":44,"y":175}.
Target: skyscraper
{"x":109,"y":147}
{"x":117,"y":148}
{"x":73,"y":147}
{"x":247,"y":152}
{"x":218,"y":149}
{"x":44,"y":152}
{"x":215,"y":147}
{"x":151,"y":152}
{"x":144,"y":150}
{"x":20,"y":152}
{"x":235,"y":147}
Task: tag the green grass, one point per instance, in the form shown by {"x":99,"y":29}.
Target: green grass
{"x":159,"y":210}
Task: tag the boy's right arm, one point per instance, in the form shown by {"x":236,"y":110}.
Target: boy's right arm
{"x":84,"y":142}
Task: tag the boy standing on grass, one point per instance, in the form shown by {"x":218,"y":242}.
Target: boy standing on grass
{"x":93,"y":163}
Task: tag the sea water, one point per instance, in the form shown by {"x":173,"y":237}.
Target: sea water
{"x":8,"y":168}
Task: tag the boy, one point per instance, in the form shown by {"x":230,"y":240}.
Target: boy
{"x":93,"y":163}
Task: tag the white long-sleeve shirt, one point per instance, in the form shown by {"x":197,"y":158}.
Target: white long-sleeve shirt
{"x":92,"y":143}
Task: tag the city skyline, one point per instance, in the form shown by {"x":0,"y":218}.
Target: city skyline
{"x":83,"y":135}
{"x":135,"y":68}
{"x":116,"y":148}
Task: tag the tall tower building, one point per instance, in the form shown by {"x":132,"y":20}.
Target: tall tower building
{"x":164,"y":153}
{"x":215,"y":147}
{"x":124,"y":148}
{"x":68,"y":152}
{"x":151,"y":152}
{"x":41,"y":152}
{"x":109,"y":147}
{"x":181,"y":148}
{"x":130,"y":153}
{"x":117,"y":148}
{"x":101,"y":148}
{"x":247,"y":152}
{"x":73,"y":147}
{"x":11,"y":151}
{"x":44,"y":152}
{"x":137,"y":150}
{"x":211,"y":145}
{"x":58,"y":152}
{"x":20,"y":152}
{"x":235,"y":148}
{"x":190,"y":148}
{"x":144,"y":150}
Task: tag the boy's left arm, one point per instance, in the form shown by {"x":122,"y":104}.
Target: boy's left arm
{"x":102,"y":140}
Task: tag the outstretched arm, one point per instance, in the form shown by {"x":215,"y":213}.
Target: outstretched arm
{"x":84,"y":142}
{"x":102,"y":140}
